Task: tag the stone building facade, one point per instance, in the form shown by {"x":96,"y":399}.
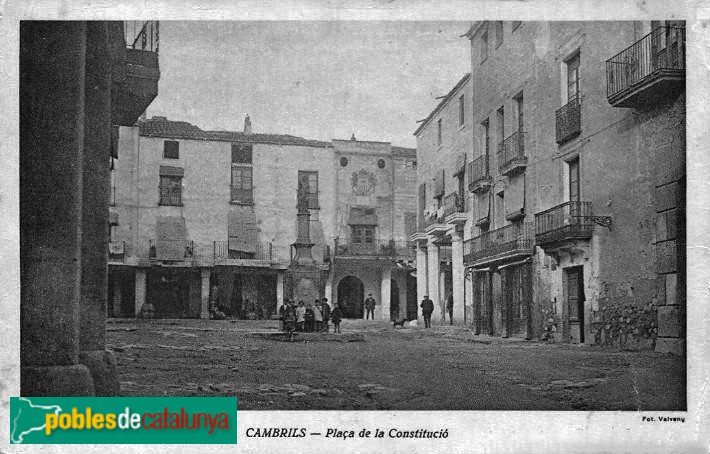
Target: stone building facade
{"x":210,"y":216}
{"x":574,"y":229}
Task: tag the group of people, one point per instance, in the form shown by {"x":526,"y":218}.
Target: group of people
{"x":310,"y":317}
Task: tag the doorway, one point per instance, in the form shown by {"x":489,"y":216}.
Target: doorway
{"x":574,"y":286}
{"x":351,"y":293}
{"x":394,"y":300}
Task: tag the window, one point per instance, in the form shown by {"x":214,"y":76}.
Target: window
{"x":572,"y":77}
{"x":309,"y":181}
{"x":171,"y":190}
{"x":462,"y":110}
{"x":500,"y":124}
{"x":516,"y":24}
{"x":241,"y":153}
{"x":484,"y":47}
{"x":438,"y":132}
{"x":499,"y":33}
{"x":486,"y":142}
{"x":519,"y":107}
{"x":343,"y":161}
{"x":171,"y":149}
{"x":242,"y":187}
{"x":573,"y":168}
{"x":362,"y":235}
{"x":381,"y":163}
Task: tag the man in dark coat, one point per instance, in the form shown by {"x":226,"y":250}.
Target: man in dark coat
{"x":427,"y":308}
{"x":326,"y":314}
{"x":370,"y":307}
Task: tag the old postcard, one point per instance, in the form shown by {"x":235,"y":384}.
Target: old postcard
{"x":356,"y":226}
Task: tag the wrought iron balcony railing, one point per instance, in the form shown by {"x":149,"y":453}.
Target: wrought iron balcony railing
{"x":453,"y":203}
{"x":570,"y":220}
{"x":383,"y":248}
{"x":170,"y":249}
{"x":263,"y":251}
{"x":518,"y":237}
{"x":116,"y":250}
{"x":661,"y":52}
{"x":511,"y":153}
{"x":142,"y":35}
{"x":478,"y":174}
{"x":568,"y":120}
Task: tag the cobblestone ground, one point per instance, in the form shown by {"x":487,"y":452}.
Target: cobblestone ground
{"x":374,"y":366}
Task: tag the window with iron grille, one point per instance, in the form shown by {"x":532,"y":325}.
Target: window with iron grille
{"x":170,"y":190}
{"x":242,"y":187}
{"x":362,"y":234}
{"x":241,"y":153}
{"x":309,"y":180}
{"x":171,"y":149}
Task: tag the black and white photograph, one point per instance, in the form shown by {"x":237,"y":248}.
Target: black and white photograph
{"x":413,"y":216}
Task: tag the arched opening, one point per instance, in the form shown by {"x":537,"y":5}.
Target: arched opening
{"x":351,"y":292}
{"x":394,"y":300}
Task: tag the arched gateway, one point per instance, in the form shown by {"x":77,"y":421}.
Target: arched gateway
{"x":351,"y":294}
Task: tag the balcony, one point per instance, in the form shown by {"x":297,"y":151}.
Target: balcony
{"x":435,"y":224}
{"x":454,"y":209}
{"x":511,"y":154}
{"x":376,"y":248}
{"x":136,"y":81}
{"x":565,"y":222}
{"x":479,"y":179}
{"x":170,"y":250}
{"x":651,"y":69}
{"x":258,"y":252}
{"x":568,"y":121}
{"x":116,"y":251}
{"x":509,"y":243}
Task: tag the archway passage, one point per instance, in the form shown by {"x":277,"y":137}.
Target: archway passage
{"x":394,"y":300}
{"x":351,"y":293}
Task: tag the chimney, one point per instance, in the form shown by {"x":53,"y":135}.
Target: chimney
{"x":247,"y":125}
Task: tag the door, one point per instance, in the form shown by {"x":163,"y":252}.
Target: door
{"x":575,"y":303}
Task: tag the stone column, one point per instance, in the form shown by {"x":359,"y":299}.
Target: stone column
{"x":433,"y":278}
{"x":205,"y":293}
{"x":140,"y":289}
{"x":95,"y":219}
{"x":422,"y":275}
{"x":457,"y":272}
{"x":52,"y":62}
{"x":385,"y":295}
{"x":280,"y":289}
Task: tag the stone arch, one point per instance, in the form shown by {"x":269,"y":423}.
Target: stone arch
{"x":350,"y":296}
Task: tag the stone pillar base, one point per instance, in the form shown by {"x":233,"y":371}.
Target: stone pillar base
{"x":56,"y":381}
{"x":102,"y":367}
{"x":673,"y":345}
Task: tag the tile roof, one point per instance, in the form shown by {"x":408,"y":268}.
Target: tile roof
{"x":162,"y":127}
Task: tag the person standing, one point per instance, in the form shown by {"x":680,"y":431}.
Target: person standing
{"x":326,"y":314}
{"x":370,"y":307}
{"x":318,"y":316}
{"x":450,"y":308}
{"x":336,"y":316}
{"x":300,"y":316}
{"x":427,"y":308}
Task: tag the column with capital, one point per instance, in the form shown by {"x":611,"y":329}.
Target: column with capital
{"x":433,"y":278}
{"x":457,"y":273}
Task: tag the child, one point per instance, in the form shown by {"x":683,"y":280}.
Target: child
{"x":336,"y":316}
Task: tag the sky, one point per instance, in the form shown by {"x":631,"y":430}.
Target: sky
{"x":318,"y":80}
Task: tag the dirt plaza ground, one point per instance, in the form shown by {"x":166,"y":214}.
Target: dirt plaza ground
{"x":375,"y":366}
